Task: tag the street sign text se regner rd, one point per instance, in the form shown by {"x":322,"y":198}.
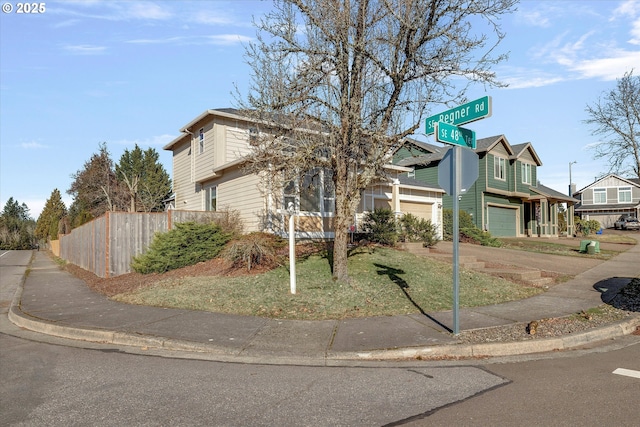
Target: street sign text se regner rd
{"x":465,"y":113}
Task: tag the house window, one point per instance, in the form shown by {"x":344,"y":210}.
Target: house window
{"x":201,"y":140}
{"x":253,"y":136}
{"x":290,"y":193}
{"x":499,"y":168}
{"x":211,"y":198}
{"x":315,"y":193}
{"x":624,"y":195}
{"x":526,"y":173}
{"x":599,"y":195}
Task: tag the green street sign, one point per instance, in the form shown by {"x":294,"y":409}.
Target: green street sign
{"x":465,"y":113}
{"x":455,"y":135}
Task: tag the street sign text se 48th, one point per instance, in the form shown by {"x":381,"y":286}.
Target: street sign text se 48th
{"x":465,"y":113}
{"x":455,"y":135}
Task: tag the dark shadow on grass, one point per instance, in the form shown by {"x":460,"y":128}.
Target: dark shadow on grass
{"x":394,"y":276}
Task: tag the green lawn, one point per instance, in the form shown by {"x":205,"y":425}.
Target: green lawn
{"x":383,"y":282}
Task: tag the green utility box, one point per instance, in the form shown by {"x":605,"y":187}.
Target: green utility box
{"x":590,"y":246}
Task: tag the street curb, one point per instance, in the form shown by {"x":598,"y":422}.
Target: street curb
{"x":240,"y":355}
{"x":444,"y":352}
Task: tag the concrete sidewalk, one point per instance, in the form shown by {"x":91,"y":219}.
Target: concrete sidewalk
{"x":52,"y":301}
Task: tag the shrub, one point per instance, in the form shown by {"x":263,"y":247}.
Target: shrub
{"x":484,"y":238}
{"x":231,"y":223}
{"x":464,"y":221}
{"x":381,"y":225}
{"x":586,"y":227}
{"x":254,"y":249}
{"x":187,"y":244}
{"x":467,"y":229}
{"x":414,"y":229}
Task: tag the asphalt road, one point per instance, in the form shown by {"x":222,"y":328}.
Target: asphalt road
{"x":560,"y":391}
{"x":56,"y":385}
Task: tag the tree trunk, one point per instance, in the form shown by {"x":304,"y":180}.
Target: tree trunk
{"x":341,"y":239}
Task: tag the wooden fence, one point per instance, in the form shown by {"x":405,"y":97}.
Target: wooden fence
{"x":106,"y":245}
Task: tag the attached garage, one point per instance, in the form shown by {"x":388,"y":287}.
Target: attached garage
{"x":502,"y":221}
{"x":420,"y":210}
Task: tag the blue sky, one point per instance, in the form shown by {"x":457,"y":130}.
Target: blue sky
{"x":135,"y":72}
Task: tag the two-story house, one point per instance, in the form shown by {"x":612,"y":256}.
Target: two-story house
{"x":506,"y":199}
{"x":608,"y":198}
{"x":208,"y":174}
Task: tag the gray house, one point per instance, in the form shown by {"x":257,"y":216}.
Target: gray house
{"x":608,"y":198}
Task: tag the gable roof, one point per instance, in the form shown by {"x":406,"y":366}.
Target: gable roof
{"x":632,"y":181}
{"x":487,"y":144}
{"x":230,"y":113}
{"x":519,"y":149}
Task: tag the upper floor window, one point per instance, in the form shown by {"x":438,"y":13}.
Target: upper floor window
{"x":526,"y":173}
{"x":599,"y":195}
{"x":201,"y":140}
{"x":624,"y":195}
{"x":499,"y":168}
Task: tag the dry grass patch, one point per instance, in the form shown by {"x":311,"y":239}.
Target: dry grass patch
{"x":383,"y":282}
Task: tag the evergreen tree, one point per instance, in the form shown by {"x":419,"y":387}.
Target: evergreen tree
{"x":145,"y":179}
{"x":16,"y":226}
{"x":48,"y":221}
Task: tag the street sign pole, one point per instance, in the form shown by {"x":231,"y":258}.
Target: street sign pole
{"x":456,"y":236}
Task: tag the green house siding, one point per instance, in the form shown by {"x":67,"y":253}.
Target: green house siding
{"x":405,"y":152}
{"x":492,"y":181}
{"x":427,"y":175}
{"x":520,"y":186}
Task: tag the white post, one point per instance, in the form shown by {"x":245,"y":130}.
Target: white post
{"x":292,"y":248}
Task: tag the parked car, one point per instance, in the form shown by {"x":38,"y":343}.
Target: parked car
{"x":627,"y":223}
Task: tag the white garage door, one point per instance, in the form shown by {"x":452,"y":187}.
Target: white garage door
{"x":420,"y":210}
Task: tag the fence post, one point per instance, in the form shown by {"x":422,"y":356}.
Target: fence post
{"x":107,"y":253}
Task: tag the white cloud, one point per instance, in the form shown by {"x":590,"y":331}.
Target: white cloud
{"x":211,"y":18}
{"x":523,"y":78}
{"x":534,"y":18}
{"x":228,"y":39}
{"x":531,"y":80}
{"x":635,"y":33}
{"x":32,"y":145}
{"x":85,"y":49}
{"x":116,"y":10}
{"x":611,"y":67}
{"x":167,"y":40}
{"x":146,"y":10}
{"x":221,"y":39}
{"x":626,"y":9}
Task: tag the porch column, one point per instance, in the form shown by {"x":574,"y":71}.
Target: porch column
{"x":571,"y":226}
{"x":395,"y":197}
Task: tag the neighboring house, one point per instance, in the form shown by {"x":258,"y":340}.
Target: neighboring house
{"x":506,"y":199}
{"x":608,"y":198}
{"x":208,"y":175}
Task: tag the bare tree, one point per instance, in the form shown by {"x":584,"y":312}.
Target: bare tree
{"x":616,"y":117}
{"x":340,"y":83}
{"x":95,"y":186}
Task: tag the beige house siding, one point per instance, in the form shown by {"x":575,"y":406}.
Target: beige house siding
{"x":237,"y":143}
{"x":226,"y":141}
{"x":240,"y":192}
{"x":184,"y":188}
{"x":204,"y":161}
